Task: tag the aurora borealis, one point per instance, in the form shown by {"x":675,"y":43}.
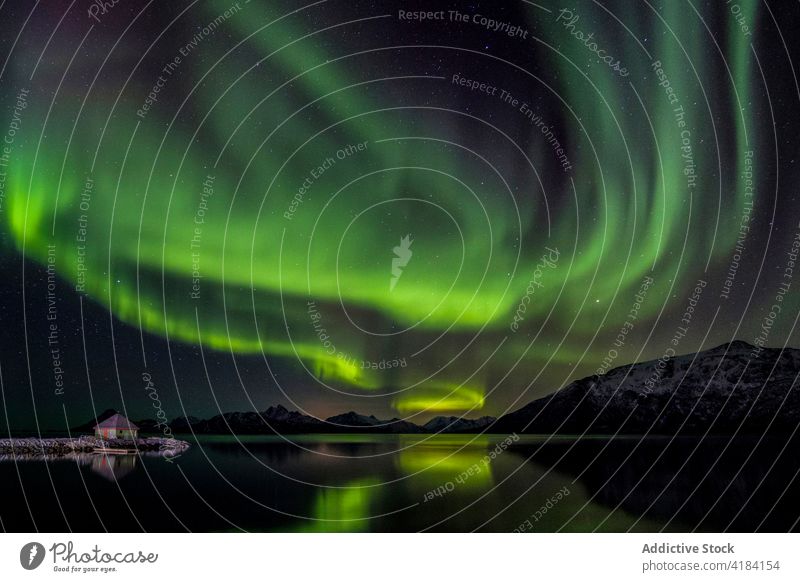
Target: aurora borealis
{"x":234,"y":183}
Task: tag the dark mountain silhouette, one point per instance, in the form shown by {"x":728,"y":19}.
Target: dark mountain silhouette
{"x":458,"y":424}
{"x":274,"y":420}
{"x":89,"y":426}
{"x":353,"y":419}
{"x":354,"y":422}
{"x":730,"y":387}
{"x":145,"y":424}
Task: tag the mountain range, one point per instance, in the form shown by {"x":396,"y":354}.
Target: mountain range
{"x":278,"y":419}
{"x":733,"y":388}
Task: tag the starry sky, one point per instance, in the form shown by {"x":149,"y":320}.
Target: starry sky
{"x":403,"y":208}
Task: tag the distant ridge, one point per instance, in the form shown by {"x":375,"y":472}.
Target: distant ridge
{"x":733,"y":387}
{"x":280,"y":420}
{"x":458,"y":424}
{"x":89,"y":426}
{"x":718,"y":391}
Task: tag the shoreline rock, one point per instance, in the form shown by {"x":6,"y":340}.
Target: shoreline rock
{"x":87,"y":444}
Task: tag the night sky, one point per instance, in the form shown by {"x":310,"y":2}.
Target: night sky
{"x":343,"y":205}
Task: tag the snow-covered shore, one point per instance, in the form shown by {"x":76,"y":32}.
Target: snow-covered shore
{"x":87,"y":444}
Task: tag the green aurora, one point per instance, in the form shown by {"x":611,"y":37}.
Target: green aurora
{"x":253,"y":208}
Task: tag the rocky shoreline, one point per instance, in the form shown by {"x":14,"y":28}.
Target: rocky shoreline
{"x":87,"y":444}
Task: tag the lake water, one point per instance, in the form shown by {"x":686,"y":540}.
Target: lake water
{"x":357,"y":483}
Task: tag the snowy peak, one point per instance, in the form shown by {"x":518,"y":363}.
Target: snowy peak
{"x":353,"y":419}
{"x":731,"y":388}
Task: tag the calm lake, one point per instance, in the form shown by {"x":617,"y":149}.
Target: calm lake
{"x":355,"y":483}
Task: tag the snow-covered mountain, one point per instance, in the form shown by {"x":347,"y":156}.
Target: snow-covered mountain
{"x":731,"y":387}
{"x":352,"y":420}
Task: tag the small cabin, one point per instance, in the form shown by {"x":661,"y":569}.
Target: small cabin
{"x":116,"y":427}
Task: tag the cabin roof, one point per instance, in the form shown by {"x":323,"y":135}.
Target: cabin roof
{"x":117,"y":421}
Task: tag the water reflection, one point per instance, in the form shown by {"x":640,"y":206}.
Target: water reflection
{"x":712,"y":484}
{"x":108,"y":466}
{"x":343,"y":509}
{"x":349,"y":483}
{"x":112,"y":467}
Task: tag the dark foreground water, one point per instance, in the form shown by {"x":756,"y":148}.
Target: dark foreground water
{"x":411,"y":483}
